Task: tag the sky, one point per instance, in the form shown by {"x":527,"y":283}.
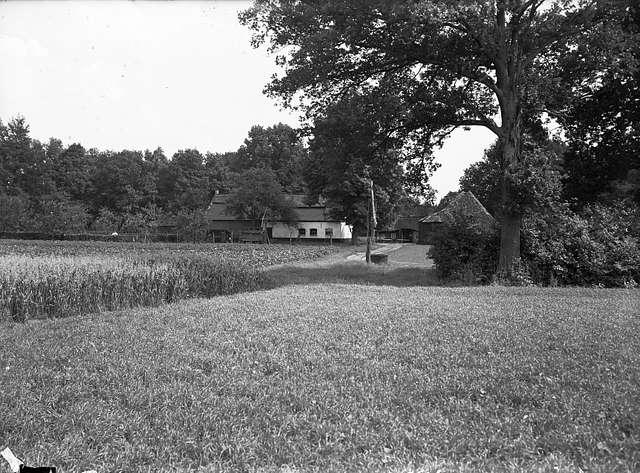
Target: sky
{"x":138,"y":75}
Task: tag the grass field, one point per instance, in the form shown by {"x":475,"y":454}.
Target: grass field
{"x":332,"y":377}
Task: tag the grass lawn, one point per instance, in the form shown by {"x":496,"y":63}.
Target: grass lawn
{"x":332,"y":377}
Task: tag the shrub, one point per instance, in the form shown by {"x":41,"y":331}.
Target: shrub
{"x":463,"y":252}
{"x":600,"y":246}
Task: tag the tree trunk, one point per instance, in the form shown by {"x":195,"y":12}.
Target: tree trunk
{"x":511,"y":213}
{"x":509,"y":243}
{"x":354,"y":235}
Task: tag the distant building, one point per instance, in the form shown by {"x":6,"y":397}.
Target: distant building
{"x":312,"y":222}
{"x":464,"y":204}
{"x":405,"y":229}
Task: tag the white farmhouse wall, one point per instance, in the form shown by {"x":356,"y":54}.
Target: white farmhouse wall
{"x":341,"y":231}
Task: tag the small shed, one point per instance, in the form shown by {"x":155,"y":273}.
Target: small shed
{"x":464,"y":204}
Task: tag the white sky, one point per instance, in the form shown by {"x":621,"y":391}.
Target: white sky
{"x":138,"y":75}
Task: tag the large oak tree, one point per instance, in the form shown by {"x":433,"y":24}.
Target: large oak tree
{"x":454,"y":63}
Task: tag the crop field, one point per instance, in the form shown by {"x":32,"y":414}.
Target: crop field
{"x":59,"y":279}
{"x":333,"y":377}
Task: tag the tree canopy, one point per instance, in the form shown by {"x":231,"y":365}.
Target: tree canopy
{"x":452,"y":63}
{"x":278,"y":148}
{"x":603,"y":128}
{"x":259,"y":196}
{"x":348,"y":151}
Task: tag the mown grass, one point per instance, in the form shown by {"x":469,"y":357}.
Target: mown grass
{"x":60,"y":279}
{"x":333,"y":378}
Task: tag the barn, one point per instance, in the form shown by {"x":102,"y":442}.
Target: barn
{"x":465,"y":204}
{"x":312,"y":222}
{"x":405,"y":229}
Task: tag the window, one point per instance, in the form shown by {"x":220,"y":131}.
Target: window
{"x":302,"y":232}
{"x":328,"y":232}
{"x":313,"y":232}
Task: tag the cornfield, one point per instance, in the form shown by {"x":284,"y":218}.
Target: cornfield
{"x":48,"y":280}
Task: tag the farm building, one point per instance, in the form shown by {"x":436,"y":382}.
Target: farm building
{"x":405,"y":229}
{"x":464,"y":204}
{"x":312,"y":222}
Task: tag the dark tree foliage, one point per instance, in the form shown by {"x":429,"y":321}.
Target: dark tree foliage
{"x":454,"y":63}
{"x":121,"y":182}
{"x":20,"y":158}
{"x":217,"y":167}
{"x":603,"y":160}
{"x":53,"y":188}
{"x":540,"y":175}
{"x":259,"y":196}
{"x":184,"y":183}
{"x":347,"y":151}
{"x":72,"y":172}
{"x":278,"y":148}
{"x":412,"y":206}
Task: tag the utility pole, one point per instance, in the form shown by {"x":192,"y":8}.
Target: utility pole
{"x":368,"y":253}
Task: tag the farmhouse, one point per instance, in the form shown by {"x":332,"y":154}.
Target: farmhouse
{"x":312,"y":222}
{"x":466,"y":205}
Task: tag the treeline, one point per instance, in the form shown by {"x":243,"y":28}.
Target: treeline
{"x":51,"y":188}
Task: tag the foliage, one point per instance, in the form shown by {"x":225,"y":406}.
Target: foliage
{"x":20,"y":158}
{"x":259,"y":196}
{"x":535,"y":186}
{"x":278,"y":148}
{"x":463,"y":252}
{"x":450,"y":63}
{"x":348,"y":150}
{"x":412,"y":206}
{"x":60,"y":279}
{"x":127,"y":191}
{"x":144,"y":222}
{"x":107,"y":221}
{"x":218,"y":171}
{"x":58,"y":215}
{"x":191,"y":225}
{"x":603,"y":127}
{"x":380,"y":379}
{"x":14,"y":213}
{"x":184,"y":183}
{"x":122,"y":182}
{"x":72,"y":170}
{"x":599,"y":246}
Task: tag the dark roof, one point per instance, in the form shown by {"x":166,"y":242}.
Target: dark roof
{"x":465,"y":203}
{"x":305,"y":213}
{"x":408,"y":222}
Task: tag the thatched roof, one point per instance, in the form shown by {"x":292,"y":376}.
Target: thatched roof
{"x":303,"y":212}
{"x":464,"y":204}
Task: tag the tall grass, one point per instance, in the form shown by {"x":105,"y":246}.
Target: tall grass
{"x":58,"y":286}
{"x":41,"y":279}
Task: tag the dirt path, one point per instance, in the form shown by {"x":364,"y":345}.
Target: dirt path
{"x":399,"y":254}
{"x":406,"y":266}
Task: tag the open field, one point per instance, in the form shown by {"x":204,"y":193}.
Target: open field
{"x":333,"y":377}
{"x":60,"y":279}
